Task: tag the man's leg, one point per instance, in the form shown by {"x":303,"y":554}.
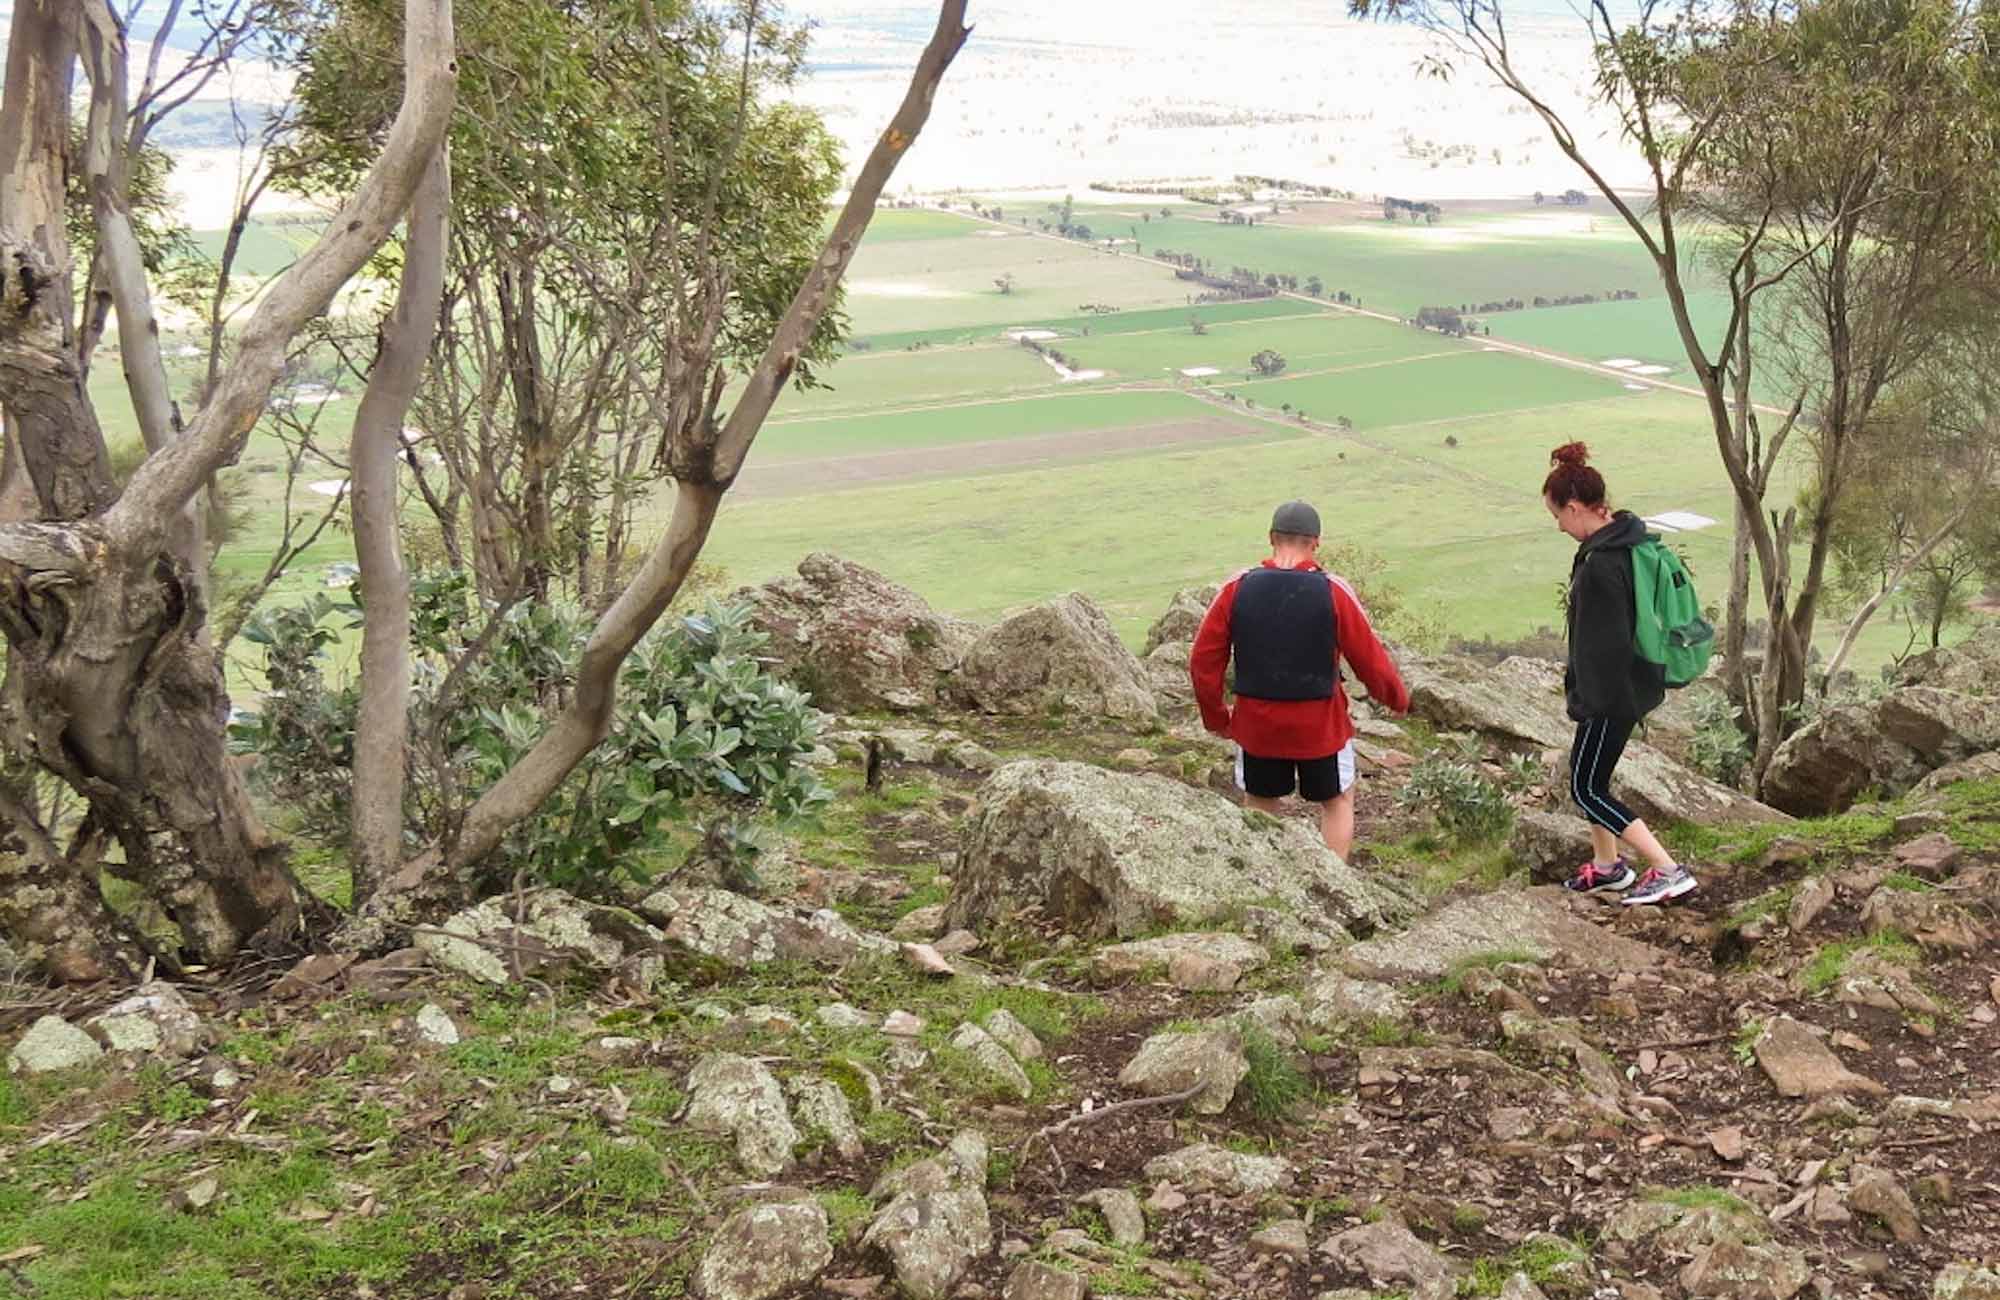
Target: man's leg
{"x":1336,"y":822}
{"x":1263,"y":805}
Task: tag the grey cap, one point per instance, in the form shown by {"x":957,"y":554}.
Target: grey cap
{"x":1295,"y":517}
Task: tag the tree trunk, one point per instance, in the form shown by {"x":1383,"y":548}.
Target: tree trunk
{"x":119,"y":694}
{"x":1736,"y":618}
{"x":705,"y":462}
{"x":381,"y":729}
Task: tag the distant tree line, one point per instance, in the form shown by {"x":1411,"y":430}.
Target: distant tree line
{"x":1392,"y":207}
{"x":1568,"y":198}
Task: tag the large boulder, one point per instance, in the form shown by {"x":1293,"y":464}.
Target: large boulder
{"x":1105,"y":853}
{"x":1889,"y":746}
{"x":1182,"y":619}
{"x":855,"y":640}
{"x":1519,"y":704}
{"x":1971,"y":666}
{"x":1061,"y":654}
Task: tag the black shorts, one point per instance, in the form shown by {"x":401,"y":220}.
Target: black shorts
{"x":1316,"y":779}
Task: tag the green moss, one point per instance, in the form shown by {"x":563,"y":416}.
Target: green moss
{"x":1830,"y":962}
{"x":1274,"y":1086}
{"x":1702,"y":1197}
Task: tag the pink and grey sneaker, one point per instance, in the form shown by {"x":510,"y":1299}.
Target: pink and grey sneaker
{"x":1661,"y":884}
{"x":1601,"y":878}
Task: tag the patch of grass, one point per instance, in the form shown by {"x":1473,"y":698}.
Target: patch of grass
{"x":1548,"y":1261}
{"x":1468,"y":1219}
{"x":1907,"y":883}
{"x":1972,"y":809}
{"x":1702,"y":1197}
{"x":1454,"y":976}
{"x":1830,"y":962}
{"x":847,"y":1212}
{"x":1382,"y":1031}
{"x":1275,"y":1086}
{"x":1775,"y":902}
{"x":1744,"y":1046}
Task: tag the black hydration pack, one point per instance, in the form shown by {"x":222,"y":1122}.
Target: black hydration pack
{"x":1281,"y":633}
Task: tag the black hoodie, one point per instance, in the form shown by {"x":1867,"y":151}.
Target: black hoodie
{"x":1606,"y":678}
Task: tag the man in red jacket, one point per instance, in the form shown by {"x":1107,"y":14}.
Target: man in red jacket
{"x":1288,"y":624}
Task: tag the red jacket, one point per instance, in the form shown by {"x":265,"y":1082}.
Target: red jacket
{"x":1293,"y":728}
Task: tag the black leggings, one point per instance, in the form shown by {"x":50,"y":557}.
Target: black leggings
{"x":1600,"y":743}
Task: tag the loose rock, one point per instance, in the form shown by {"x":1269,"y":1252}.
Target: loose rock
{"x":742,"y":933}
{"x":1537,"y":921}
{"x":1877,"y":1193}
{"x":1123,"y":1215}
{"x":52,"y":1044}
{"x":155,"y":1020}
{"x":1746,"y":1272}
{"x":820,"y":1108}
{"x":1233,"y":1173}
{"x":1142,"y":957}
{"x":1034,"y":1281}
{"x":1174,"y":1062}
{"x":1388,"y":1253}
{"x":995,"y":1063}
{"x":1016,"y":1037}
{"x":1286,"y":1238}
{"x":764,"y":1250}
{"x":733,"y":1094}
{"x":435,"y":1027}
{"x":1800,"y":1065}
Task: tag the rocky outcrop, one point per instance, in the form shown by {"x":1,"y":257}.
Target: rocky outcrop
{"x":506,"y":937}
{"x":855,"y":640}
{"x":1535,"y":923}
{"x":1972,"y":666}
{"x":1183,"y":618}
{"x":1890,"y":745}
{"x":1519,"y":704}
{"x":1059,"y":655}
{"x":1105,"y":853}
{"x":742,"y":933}
{"x":765,"y":1250}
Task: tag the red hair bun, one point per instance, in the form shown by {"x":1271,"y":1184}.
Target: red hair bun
{"x":1570,"y":453}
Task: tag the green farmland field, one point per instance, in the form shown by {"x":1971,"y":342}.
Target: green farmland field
{"x":1309,"y":341}
{"x":1454,"y":382}
{"x":1093,"y":325}
{"x":1074,"y":412}
{"x":1643,"y":330}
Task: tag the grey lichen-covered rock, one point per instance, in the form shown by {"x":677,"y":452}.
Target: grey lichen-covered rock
{"x":1981,"y":767}
{"x":1032,"y":1280}
{"x":1013,"y":1035}
{"x":764,"y":1250}
{"x":1124,"y":1217}
{"x":1278,"y":1015}
{"x":1232,"y":1173}
{"x":1551,"y":845}
{"x":1939,"y":726}
{"x":52,"y":1044}
{"x":1520,"y":1286}
{"x":820,"y":1110}
{"x":855,"y":640}
{"x":1107,"y":853}
{"x":1061,"y":654}
{"x":1891,"y":745}
{"x":1123,"y":961}
{"x":1562,"y":1041}
{"x":743,"y":933}
{"x":1537,"y":922}
{"x":1800,"y":1065}
{"x":435,"y":1027}
{"x":1332,"y":1000}
{"x":1966,"y":1282}
{"x":554,"y":928}
{"x":1707,"y":1222}
{"x":1211,"y":1059}
{"x":1971,"y":666}
{"x":1182,"y":619}
{"x":1741,"y":1271}
{"x":936,"y":1221}
{"x":994,"y":1062}
{"x":1869,"y":980}
{"x":154,"y":1020}
{"x":1388,"y":1253}
{"x":735,"y":1095}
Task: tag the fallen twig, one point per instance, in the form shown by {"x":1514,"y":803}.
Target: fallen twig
{"x":1086,"y":1117}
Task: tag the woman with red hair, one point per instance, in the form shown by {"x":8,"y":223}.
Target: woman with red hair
{"x":1608,"y":686}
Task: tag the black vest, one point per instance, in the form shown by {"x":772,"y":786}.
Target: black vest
{"x":1281,"y":631}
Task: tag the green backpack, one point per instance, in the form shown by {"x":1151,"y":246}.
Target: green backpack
{"x":1671,"y":631}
